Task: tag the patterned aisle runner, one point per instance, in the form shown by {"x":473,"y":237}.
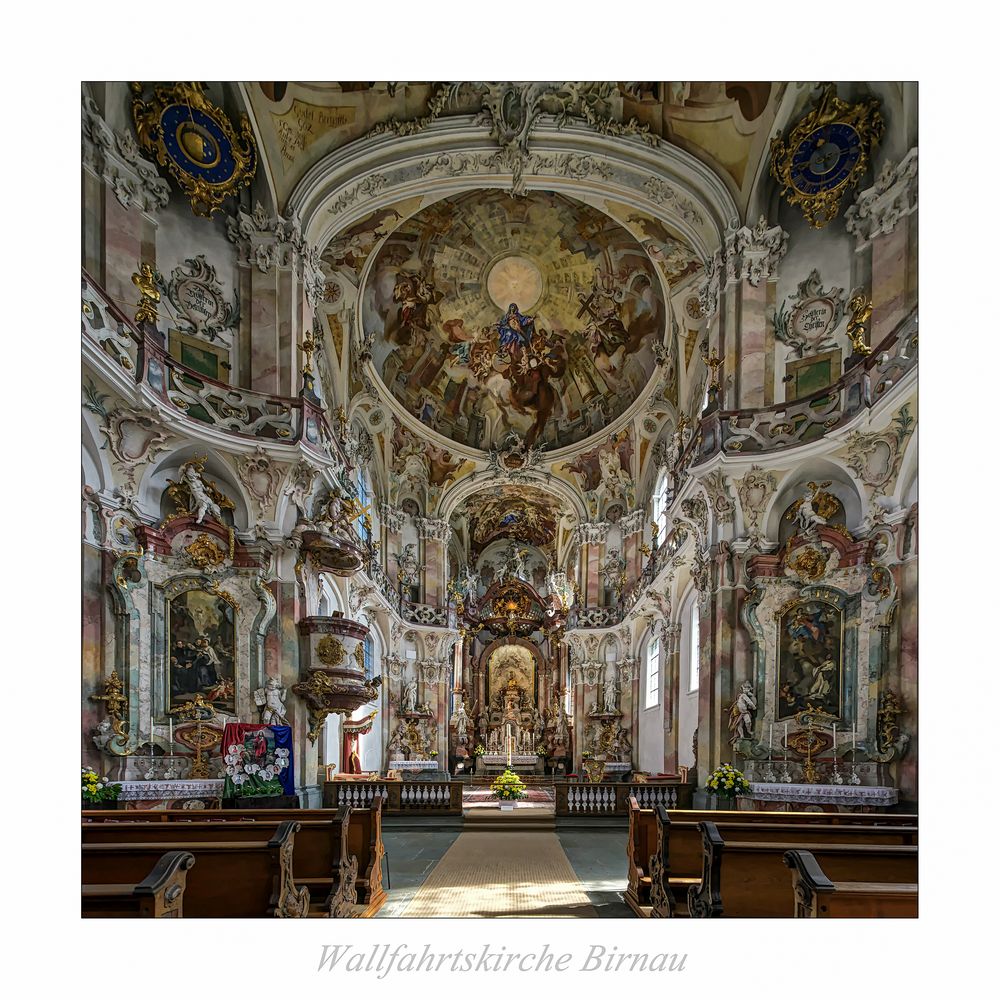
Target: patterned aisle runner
{"x":502,"y":874}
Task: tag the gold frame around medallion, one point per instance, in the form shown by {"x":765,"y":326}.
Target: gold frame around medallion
{"x":863,"y":116}
{"x":206,"y":197}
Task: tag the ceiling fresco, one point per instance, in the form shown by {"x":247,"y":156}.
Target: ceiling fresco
{"x":522,"y":513}
{"x":489,"y":314}
{"x":724,"y":124}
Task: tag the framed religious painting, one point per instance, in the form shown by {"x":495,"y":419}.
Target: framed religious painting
{"x":201,"y":638}
{"x":810,"y":672}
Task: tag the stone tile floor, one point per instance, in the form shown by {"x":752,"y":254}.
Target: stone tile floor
{"x":597,"y":858}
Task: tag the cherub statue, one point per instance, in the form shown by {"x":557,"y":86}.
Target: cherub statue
{"x":741,"y":714}
{"x":270,"y":699}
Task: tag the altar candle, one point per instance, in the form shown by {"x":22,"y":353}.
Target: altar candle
{"x":786,"y":741}
{"x":171,"y":736}
{"x":770,"y":737}
{"x":854,"y":743}
{"x":835,"y":741}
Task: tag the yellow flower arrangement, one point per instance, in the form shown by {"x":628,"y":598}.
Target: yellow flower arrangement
{"x":728,"y":782}
{"x":95,"y":789}
{"x":508,"y":786}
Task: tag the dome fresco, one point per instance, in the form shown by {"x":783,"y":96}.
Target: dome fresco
{"x":491,"y":314}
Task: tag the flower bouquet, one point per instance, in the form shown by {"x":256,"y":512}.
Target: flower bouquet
{"x":97,"y":791}
{"x":507,"y":787}
{"x":479,"y":751}
{"x":250,"y":775}
{"x":726,"y":782}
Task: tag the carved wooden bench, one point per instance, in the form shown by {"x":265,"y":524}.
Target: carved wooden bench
{"x":816,"y":896}
{"x":747,"y":878}
{"x":230,"y":877}
{"x":159,"y":894}
{"x":338,"y":852}
{"x":676,"y":862}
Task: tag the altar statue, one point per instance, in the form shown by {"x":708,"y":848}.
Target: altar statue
{"x":201,"y":502}
{"x":461,"y":720}
{"x":610,"y":694}
{"x":741,"y":714}
{"x":270,"y":699}
{"x":410,"y":697}
{"x":807,"y":515}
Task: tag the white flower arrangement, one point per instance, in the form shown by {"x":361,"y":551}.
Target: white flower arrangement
{"x":252,"y":777}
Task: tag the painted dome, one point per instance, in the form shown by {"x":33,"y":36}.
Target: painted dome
{"x":535,"y":315}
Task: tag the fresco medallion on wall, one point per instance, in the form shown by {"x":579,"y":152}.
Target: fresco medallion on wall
{"x":492,"y":314}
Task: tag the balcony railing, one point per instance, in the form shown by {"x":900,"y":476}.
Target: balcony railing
{"x":233,"y":410}
{"x":785,"y":425}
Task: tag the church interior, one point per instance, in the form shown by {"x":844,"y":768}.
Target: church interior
{"x":499,"y":499}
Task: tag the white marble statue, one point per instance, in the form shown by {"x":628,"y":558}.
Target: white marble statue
{"x":201,"y":502}
{"x":270,"y":700}
{"x":741,"y":714}
{"x":410,"y":696}
{"x":616,"y":481}
{"x":806,"y":515}
{"x":461,"y":720}
{"x":562,"y":726}
{"x":610,"y":694}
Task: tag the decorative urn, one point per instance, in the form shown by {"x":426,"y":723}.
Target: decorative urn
{"x":332,"y":675}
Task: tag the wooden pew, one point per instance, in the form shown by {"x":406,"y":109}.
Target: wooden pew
{"x":816,"y":896}
{"x":747,"y":879}
{"x":159,"y":894}
{"x":322,"y":860}
{"x":679,"y":847}
{"x":231,"y":878}
{"x":330,"y":881}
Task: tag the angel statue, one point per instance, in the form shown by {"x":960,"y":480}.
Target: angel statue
{"x":741,"y":714}
{"x":201,"y":502}
{"x":270,"y":699}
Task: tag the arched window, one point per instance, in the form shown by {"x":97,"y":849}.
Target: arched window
{"x":369,"y":658}
{"x":364,"y":496}
{"x":653,"y":672}
{"x":662,"y":499}
{"x":695,"y":647}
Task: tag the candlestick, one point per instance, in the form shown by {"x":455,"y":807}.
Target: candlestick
{"x":835,"y":741}
{"x":786,"y":741}
{"x":854,"y":743}
{"x":770,"y":738}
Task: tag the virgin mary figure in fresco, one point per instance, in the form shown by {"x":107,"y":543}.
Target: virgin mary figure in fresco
{"x":515,"y":329}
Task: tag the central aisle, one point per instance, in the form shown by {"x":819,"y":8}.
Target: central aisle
{"x":499,"y":868}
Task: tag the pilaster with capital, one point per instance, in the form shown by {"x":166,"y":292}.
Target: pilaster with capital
{"x":280,"y":277}
{"x":434,"y":533}
{"x":122,"y":195}
{"x":592,"y":536}
{"x":883,"y":221}
{"x":737,"y":294}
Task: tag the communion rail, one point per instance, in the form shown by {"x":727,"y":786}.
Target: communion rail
{"x":610,"y":798}
{"x":440,"y":797}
